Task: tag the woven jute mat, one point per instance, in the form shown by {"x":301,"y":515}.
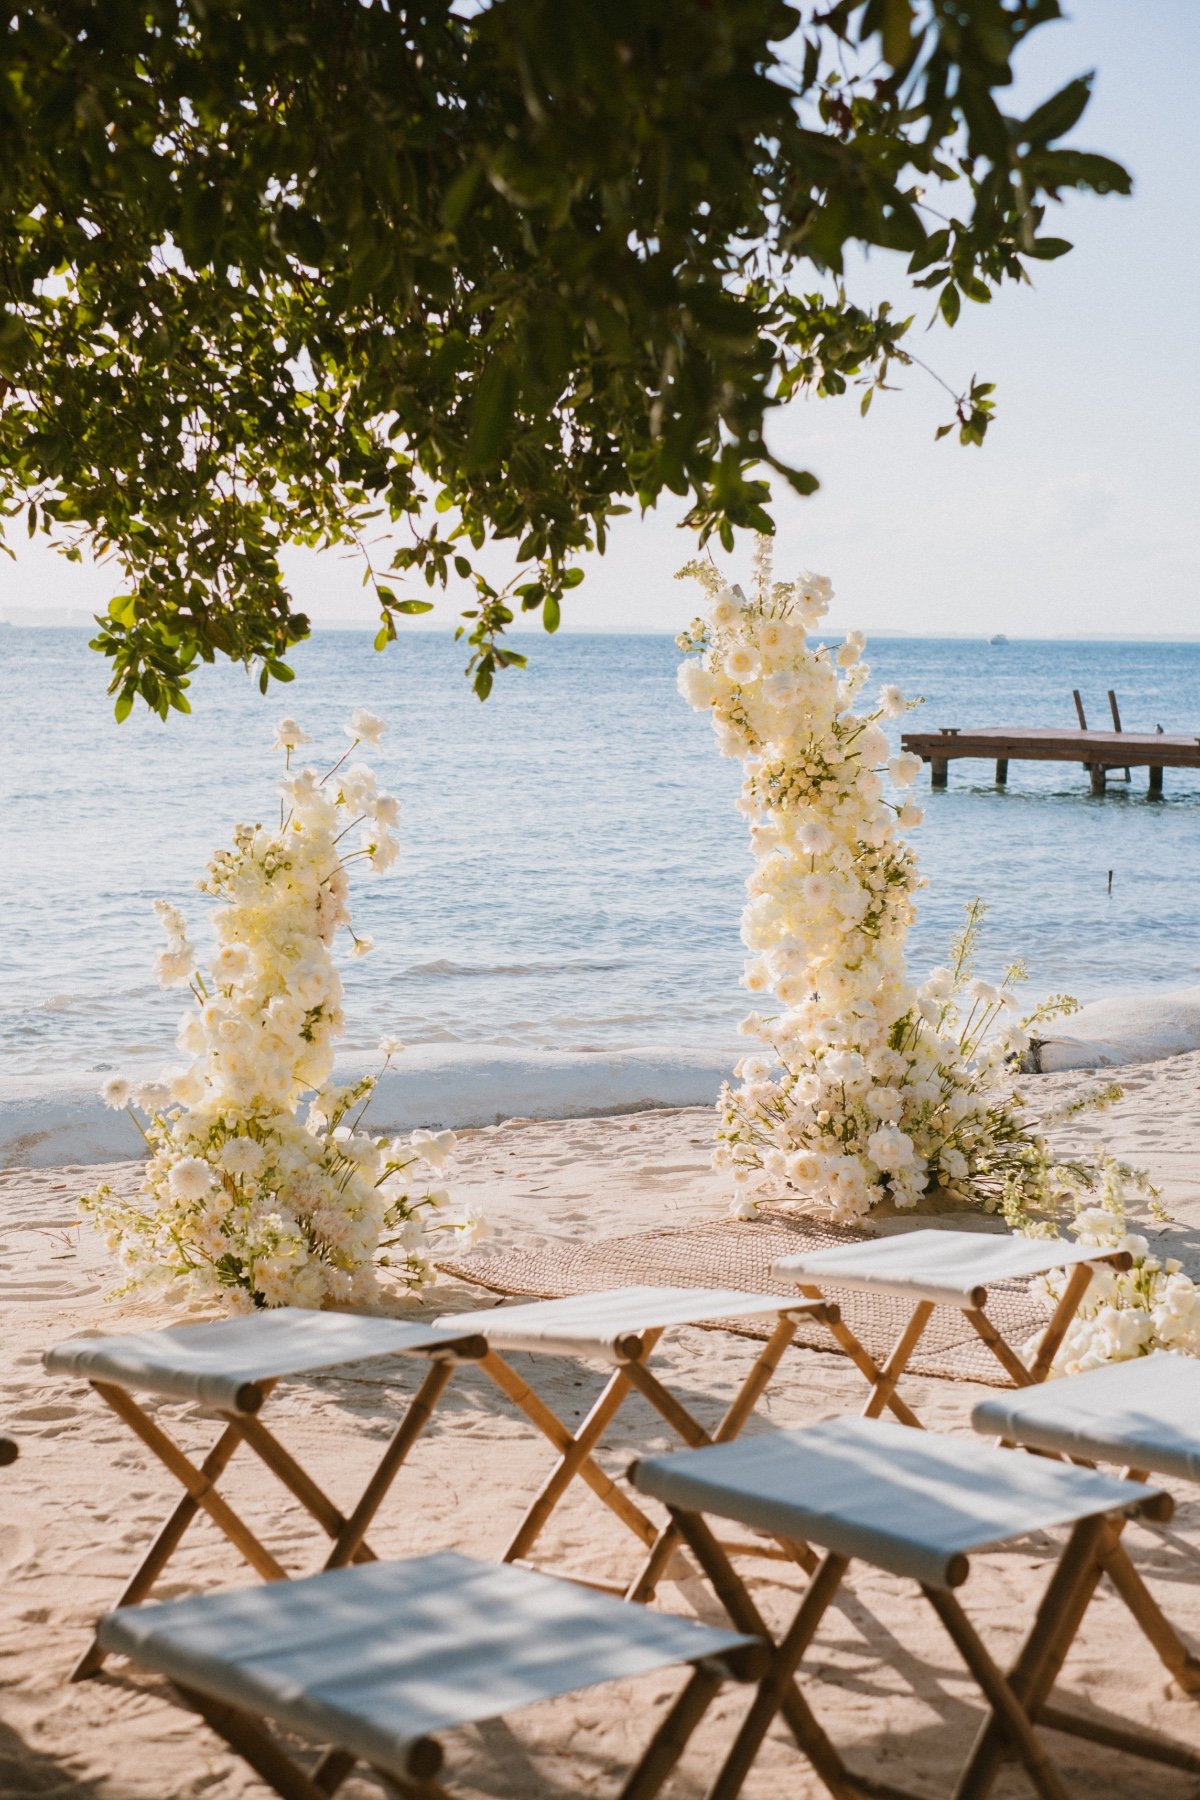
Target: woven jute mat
{"x":738,"y":1253}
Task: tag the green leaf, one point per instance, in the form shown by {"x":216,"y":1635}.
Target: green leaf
{"x":949,"y":303}
{"x":1057,"y":115}
{"x":123,"y":707}
{"x":551,"y":613}
{"x":383,"y":638}
{"x":459,"y":194}
{"x":1046,"y":249}
{"x":122,"y":609}
{"x":571,"y":578}
{"x":413,"y":606}
{"x":1083,"y":169}
{"x":491,"y":413}
{"x":897,"y":31}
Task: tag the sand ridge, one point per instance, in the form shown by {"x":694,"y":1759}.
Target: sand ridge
{"x":77,"y":1509}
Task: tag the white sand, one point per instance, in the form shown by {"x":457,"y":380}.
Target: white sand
{"x":77,"y":1508}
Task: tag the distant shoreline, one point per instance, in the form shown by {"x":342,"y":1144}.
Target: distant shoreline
{"x":363,"y":626}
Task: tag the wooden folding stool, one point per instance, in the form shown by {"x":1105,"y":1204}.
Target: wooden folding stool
{"x":1145,"y":1416}
{"x":373,"y":1662}
{"x":931,"y":1268}
{"x":621,"y":1327}
{"x":914,"y":1504}
{"x":231,"y":1366}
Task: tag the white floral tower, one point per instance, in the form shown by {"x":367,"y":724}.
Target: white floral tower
{"x":243,"y":1198}
{"x":864,"y":1087}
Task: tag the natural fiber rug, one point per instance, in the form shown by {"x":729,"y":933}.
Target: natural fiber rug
{"x":738,"y":1253}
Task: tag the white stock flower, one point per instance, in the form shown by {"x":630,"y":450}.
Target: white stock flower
{"x":391,"y":1046}
{"x":116,"y":1092}
{"x":891,"y":702}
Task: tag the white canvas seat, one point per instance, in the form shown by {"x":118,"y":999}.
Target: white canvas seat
{"x":914,"y":1503}
{"x":931,"y":1268}
{"x":620,"y":1328}
{"x":376,"y":1661}
{"x":231,"y":1366}
{"x":1145,"y":1416}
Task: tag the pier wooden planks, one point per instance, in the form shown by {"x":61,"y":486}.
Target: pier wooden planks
{"x":1098,"y":751}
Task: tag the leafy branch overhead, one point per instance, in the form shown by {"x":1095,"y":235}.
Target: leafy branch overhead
{"x":299,"y":274}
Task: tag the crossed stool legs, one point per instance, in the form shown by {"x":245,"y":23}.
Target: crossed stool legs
{"x":916,"y":1505}
{"x":232,"y":1367}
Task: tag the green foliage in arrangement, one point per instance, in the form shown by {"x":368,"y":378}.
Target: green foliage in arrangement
{"x":288,"y":273}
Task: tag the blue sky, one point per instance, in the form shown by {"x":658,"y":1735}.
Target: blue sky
{"x":1080,"y":513}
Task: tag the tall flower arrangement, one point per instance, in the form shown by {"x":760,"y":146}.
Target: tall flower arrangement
{"x":243,"y":1198}
{"x":863,"y":1087}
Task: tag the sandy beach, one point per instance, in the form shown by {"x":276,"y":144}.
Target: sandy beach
{"x":81,"y":1502}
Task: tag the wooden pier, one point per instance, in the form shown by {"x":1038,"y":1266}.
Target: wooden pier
{"x":1098,"y":751}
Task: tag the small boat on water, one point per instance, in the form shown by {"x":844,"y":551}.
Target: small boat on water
{"x":998,"y":639}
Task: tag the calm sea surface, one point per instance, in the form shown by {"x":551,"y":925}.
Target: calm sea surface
{"x":573,"y":863}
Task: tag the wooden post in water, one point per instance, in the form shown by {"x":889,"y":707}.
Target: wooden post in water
{"x":1116,"y":718}
{"x":1155,"y":789}
{"x":1001,"y":771}
{"x":1080,"y":715}
{"x":1097,"y":773}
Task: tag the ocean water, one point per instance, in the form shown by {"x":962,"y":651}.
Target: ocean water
{"x":573,"y":864}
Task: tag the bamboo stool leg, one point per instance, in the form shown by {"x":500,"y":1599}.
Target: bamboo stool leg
{"x":1007,"y":1710}
{"x":883,"y":1388}
{"x":694,"y":1435}
{"x":348,"y":1544}
{"x":778,"y":1692}
{"x":1174,"y":1654}
{"x":255,"y":1746}
{"x":298,"y":1481}
{"x":198,"y":1485}
{"x":1058,"y":1618}
{"x":162,"y":1549}
{"x":569,"y":1465}
{"x":670,"y":1740}
{"x":199,"y":1495}
{"x":557,"y":1434}
{"x":1078,"y":1282}
{"x":862,"y":1359}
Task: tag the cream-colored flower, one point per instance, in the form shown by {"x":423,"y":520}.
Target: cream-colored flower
{"x":365,"y":727}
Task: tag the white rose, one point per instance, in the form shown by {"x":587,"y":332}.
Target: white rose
{"x":365,"y":727}
{"x":905,"y":768}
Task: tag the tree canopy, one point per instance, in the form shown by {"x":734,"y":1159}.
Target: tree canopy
{"x":292,"y":272}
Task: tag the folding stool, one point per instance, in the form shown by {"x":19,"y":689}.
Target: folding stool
{"x":1144,"y":1415}
{"x":620,"y":1327}
{"x":931,"y":1268}
{"x":231,"y":1366}
{"x":913,"y":1503}
{"x":374,"y":1661}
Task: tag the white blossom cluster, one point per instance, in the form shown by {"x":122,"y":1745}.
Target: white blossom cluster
{"x":863,"y":1087}
{"x":243,"y":1198}
{"x":1151,"y":1306}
